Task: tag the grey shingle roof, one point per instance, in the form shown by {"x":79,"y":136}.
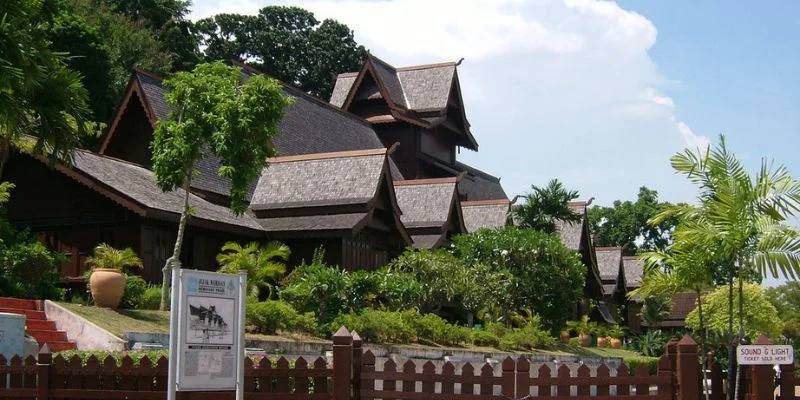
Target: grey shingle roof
{"x":312,"y":222}
{"x":309,"y":126}
{"x":572,"y":232}
{"x":139,"y":184}
{"x":634,"y":271}
{"x":418,"y":88}
{"x":478,"y":185}
{"x":426,"y":204}
{"x":479,"y":215}
{"x":609,"y":288}
{"x":426,"y":241}
{"x":342,"y":88}
{"x":319,"y":182}
{"x":608,"y":262}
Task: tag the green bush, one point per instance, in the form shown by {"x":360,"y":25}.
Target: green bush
{"x":151,"y":298}
{"x":271,"y":315}
{"x":135,"y":286}
{"x":634,"y":362}
{"x":480,"y":337}
{"x":435,"y":329}
{"x":317,"y":288}
{"x":651,"y":343}
{"x":377,"y":326}
{"x":27,"y":268}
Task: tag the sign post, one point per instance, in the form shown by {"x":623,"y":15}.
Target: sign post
{"x":206,"y":332}
{"x":764,"y":354}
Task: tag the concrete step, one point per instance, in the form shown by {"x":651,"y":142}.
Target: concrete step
{"x":60,"y":346}
{"x":29,"y":314}
{"x":21,"y":304}
{"x":48,"y":336}
{"x":40,"y":325}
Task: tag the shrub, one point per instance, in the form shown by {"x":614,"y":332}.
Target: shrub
{"x":151,"y":298}
{"x":270,"y":316}
{"x":135,"y":286}
{"x":433,"y":328}
{"x":634,"y":362}
{"x":651,"y":343}
{"x":377,"y":326}
{"x":480,"y":337}
{"x":28,"y":269}
{"x":317,"y":288}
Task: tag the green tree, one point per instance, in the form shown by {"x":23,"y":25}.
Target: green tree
{"x":760,"y":316}
{"x":740,"y":220}
{"x":540,"y":272}
{"x":544,"y":206}
{"x":264,"y":264}
{"x":786,"y":299}
{"x":626,"y":224}
{"x":213,"y":109}
{"x":287,"y":43}
{"x":39,"y":95}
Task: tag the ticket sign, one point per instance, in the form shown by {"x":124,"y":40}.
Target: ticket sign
{"x":758,"y":354}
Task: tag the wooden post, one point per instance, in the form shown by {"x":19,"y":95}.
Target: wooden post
{"x":342,"y":364}
{"x":787,"y":382}
{"x":507,"y":387}
{"x":761,"y":377}
{"x":687,"y":369}
{"x":523,"y":378}
{"x":358,"y":351}
{"x":716,"y":378}
{"x":43,"y":368}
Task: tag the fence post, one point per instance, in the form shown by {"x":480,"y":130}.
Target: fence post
{"x":761,"y":377}
{"x":507,"y":388}
{"x":44,"y":363}
{"x":787,"y":382}
{"x":357,"y":353}
{"x":342,"y":364}
{"x":688,"y":368}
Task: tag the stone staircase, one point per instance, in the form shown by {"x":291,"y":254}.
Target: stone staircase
{"x":36,"y":323}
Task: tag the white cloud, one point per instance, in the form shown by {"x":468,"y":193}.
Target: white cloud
{"x":552,"y":88}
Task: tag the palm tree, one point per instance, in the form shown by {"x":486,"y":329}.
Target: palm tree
{"x":106,"y":256}
{"x":544,"y":206}
{"x":740,"y":221}
{"x":262,"y":263}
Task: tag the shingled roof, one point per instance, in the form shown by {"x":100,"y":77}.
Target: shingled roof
{"x":609,"y":263}
{"x":137,"y":185}
{"x":682,"y":304}
{"x":478,"y":185}
{"x":571,"y":233}
{"x":429,"y":206}
{"x":485,"y":214}
{"x":634,"y":271}
{"x":309,"y":126}
{"x":325,"y":192}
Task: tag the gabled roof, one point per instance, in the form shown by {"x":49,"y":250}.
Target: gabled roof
{"x":485,"y":214}
{"x":336,"y":191}
{"x":134,"y":187}
{"x":417,"y":94}
{"x":478,"y":185}
{"x":431,"y":210}
{"x":309,"y":126}
{"x":681,"y":305}
{"x":609,"y":263}
{"x":634,"y":271}
{"x":576,"y":236}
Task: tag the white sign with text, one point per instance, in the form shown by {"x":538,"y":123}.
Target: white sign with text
{"x":764,"y":354}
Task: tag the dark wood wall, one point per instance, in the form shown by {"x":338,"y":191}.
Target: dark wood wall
{"x":406,"y":156}
{"x":133,"y":136}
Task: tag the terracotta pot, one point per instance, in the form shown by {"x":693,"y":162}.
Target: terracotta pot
{"x":602,"y":342}
{"x":584,"y":340}
{"x":107,"y":287}
{"x":565,"y":337}
{"x":616,"y":343}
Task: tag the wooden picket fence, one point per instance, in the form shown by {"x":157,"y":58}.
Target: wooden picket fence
{"x":355,"y":374}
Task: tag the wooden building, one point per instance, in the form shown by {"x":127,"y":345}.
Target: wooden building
{"x":634,"y":272}
{"x":488,"y":214}
{"x":612,"y":274}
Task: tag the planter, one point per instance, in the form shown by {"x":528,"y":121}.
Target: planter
{"x":584,"y":340}
{"x":565,"y":337}
{"x":107,"y":287}
{"x":602,"y":342}
{"x":616,"y":343}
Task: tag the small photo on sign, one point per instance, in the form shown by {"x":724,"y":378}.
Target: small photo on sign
{"x":210,"y":320}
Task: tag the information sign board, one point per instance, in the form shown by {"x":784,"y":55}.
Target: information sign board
{"x":758,"y":354}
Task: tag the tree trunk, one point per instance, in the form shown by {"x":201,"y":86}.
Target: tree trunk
{"x":731,"y":349}
{"x":174,"y":261}
{"x":740,"y":335}
{"x":704,"y":356}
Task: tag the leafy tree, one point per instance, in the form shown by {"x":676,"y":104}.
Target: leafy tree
{"x":39,"y":95}
{"x":656,"y":309}
{"x":544,"y":206}
{"x":760,"y":316}
{"x":626,"y":224}
{"x":740,"y":220}
{"x":786,"y":299}
{"x":263,"y":264}
{"x":540,"y":272}
{"x":287,"y":43}
{"x":212,"y":109}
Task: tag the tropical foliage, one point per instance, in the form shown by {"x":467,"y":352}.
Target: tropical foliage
{"x":264,"y":265}
{"x":105,"y":256}
{"x":760,"y":316}
{"x":545,"y":205}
